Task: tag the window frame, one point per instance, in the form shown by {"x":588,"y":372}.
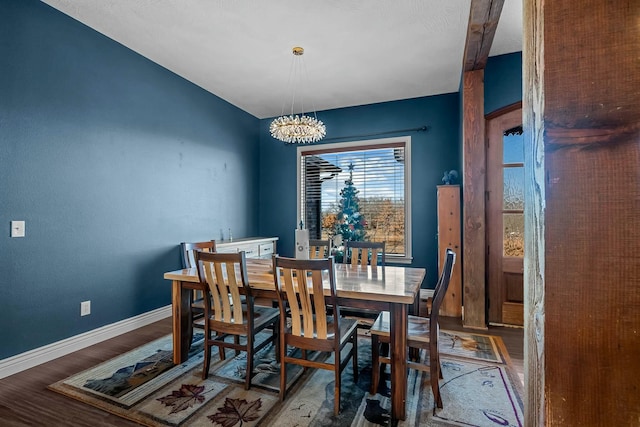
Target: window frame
{"x":363,"y":145}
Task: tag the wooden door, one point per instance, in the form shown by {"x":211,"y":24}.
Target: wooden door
{"x":505,"y":218}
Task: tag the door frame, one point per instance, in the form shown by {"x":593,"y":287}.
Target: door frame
{"x":495,"y":295}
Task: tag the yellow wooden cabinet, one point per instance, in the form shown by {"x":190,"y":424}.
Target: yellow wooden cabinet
{"x":449,"y":236}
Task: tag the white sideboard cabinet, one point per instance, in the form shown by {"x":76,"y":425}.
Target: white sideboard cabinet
{"x":254,"y":247}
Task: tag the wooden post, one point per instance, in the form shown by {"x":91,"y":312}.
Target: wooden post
{"x":474,"y":176}
{"x":582,"y":217}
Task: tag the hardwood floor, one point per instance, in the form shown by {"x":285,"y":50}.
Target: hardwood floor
{"x":26,"y":401}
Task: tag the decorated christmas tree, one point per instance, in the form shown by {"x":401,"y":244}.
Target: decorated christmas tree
{"x":351,"y":223}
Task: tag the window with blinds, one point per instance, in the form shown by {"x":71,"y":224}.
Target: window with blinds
{"x":357,"y":191}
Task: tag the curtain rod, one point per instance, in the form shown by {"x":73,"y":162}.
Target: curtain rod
{"x":367,"y":135}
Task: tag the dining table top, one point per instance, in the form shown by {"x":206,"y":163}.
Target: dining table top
{"x":388,"y":284}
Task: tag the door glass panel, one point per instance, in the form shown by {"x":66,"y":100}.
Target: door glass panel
{"x":513,"y":237}
{"x":513,"y":148}
{"x":513,"y":196}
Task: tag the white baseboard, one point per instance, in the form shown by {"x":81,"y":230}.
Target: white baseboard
{"x":29,"y":359}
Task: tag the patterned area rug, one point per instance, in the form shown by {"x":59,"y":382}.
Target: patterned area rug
{"x":143,"y":385}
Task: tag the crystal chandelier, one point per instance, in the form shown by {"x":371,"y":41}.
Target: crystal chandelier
{"x":294,"y":128}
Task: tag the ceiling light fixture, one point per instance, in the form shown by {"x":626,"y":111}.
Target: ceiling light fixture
{"x":297,"y":129}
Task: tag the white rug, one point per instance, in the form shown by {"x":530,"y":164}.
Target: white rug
{"x":144,"y":386}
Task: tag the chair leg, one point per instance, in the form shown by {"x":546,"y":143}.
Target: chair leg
{"x":283,"y":369}
{"x":375,"y":363}
{"x":336,"y":389}
{"x":276,"y":339}
{"x":385,"y":348}
{"x":414,"y":354}
{"x":436,"y":393}
{"x":434,"y":371}
{"x":249,"y":371}
{"x":355,"y":357}
{"x":207,"y":359}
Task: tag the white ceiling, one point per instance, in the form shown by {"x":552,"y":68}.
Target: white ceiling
{"x":356,"y":51}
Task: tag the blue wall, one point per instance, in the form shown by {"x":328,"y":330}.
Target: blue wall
{"x":502,"y":81}
{"x":432,"y":153}
{"x":112,"y":161}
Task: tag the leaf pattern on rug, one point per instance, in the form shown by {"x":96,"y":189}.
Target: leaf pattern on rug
{"x":237,"y":411}
{"x":183,"y":399}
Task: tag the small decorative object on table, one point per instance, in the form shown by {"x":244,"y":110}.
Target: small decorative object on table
{"x":449,"y":176}
{"x":302,"y":242}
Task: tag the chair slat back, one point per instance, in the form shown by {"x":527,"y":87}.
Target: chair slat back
{"x":224,"y":275}
{"x":440,"y":291}
{"x":189,"y":248}
{"x":301,"y":285}
{"x":319,"y":248}
{"x":364,"y":253}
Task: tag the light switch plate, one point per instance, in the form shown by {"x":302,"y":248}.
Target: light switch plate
{"x":17,"y":228}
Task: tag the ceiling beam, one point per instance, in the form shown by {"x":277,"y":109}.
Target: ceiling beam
{"x":483,"y":21}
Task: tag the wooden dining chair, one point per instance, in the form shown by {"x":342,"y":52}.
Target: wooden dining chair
{"x":363,"y":253}
{"x":422,"y":333}
{"x":227,"y":314}
{"x":304,"y":322}
{"x":187,"y":251}
{"x":319,"y":248}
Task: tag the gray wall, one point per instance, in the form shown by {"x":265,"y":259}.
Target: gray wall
{"x":112,"y":161}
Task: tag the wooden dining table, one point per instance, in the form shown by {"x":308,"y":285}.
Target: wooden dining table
{"x":389,"y":288}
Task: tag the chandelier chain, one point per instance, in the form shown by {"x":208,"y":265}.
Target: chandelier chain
{"x":294,"y":128}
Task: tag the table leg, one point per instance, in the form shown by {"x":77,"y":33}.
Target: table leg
{"x":398,"y":350}
{"x":182,"y":326}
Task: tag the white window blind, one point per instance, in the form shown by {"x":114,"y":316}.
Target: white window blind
{"x":358,"y":191}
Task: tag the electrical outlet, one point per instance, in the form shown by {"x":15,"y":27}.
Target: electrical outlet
{"x":85,"y":308}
